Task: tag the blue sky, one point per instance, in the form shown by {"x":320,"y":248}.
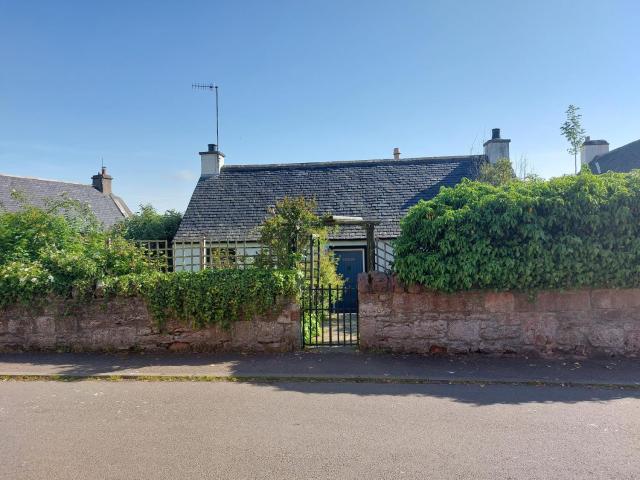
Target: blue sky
{"x":304,"y":81}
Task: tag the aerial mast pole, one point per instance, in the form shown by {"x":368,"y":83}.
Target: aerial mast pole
{"x":217,"y":116}
{"x":212,"y":87}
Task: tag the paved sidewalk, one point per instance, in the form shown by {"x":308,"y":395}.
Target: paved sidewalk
{"x":332,"y":365}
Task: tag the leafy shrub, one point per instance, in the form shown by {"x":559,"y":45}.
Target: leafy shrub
{"x":21,"y":281}
{"x":497,"y":173}
{"x":286,"y":234}
{"x":210,"y":296}
{"x":56,"y":253}
{"x":148,"y":224}
{"x":568,"y":232}
{"x":43,"y":253}
{"x":24,"y":234}
{"x":312,"y":327}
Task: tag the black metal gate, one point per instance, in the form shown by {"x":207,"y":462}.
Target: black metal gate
{"x":329,"y":312}
{"x":326,"y":319}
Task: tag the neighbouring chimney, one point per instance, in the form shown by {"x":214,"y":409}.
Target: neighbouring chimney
{"x":396,"y":153}
{"x":211,"y":161}
{"x":592,"y":148}
{"x":497,"y":147}
{"x":102,"y":181}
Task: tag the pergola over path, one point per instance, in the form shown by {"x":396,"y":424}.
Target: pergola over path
{"x":369,"y":226}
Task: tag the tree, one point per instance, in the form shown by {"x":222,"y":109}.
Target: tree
{"x":524,"y":169}
{"x":148,"y":224}
{"x":573,"y":132}
{"x":497,"y":173}
{"x":59,"y":248}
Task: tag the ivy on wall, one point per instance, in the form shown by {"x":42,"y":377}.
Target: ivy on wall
{"x":568,"y":232}
{"x":208,"y":297}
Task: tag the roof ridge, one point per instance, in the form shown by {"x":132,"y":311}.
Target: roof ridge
{"x":120,"y":205}
{"x":616,"y":151}
{"x":44,"y":179}
{"x":626,"y":145}
{"x":378,"y":161}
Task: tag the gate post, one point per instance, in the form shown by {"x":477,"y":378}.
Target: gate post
{"x":371,"y":248}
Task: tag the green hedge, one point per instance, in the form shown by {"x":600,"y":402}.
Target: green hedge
{"x":48,"y":252}
{"x":208,"y":297}
{"x":568,"y":232}
{"x":45,"y":252}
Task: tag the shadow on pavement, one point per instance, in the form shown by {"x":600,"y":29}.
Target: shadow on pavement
{"x":363,"y":374}
{"x":473,"y":394}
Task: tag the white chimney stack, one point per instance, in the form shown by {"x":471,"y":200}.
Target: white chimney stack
{"x":396,"y":153}
{"x":591,"y":149}
{"x":211,"y":161}
{"x":497,"y":147}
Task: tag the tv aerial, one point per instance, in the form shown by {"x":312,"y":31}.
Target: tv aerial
{"x":211,"y":87}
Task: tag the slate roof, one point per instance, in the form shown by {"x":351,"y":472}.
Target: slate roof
{"x":109,"y":209}
{"x":622,"y":159}
{"x":232,"y":205}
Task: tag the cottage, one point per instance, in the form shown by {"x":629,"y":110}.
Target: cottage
{"x":230,"y":202}
{"x":108,"y":208}
{"x":596,"y":155}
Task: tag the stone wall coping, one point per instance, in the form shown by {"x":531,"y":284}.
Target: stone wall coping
{"x":580,"y":322}
{"x":579,"y":299}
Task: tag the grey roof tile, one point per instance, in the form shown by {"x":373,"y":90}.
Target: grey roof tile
{"x":37,"y":191}
{"x":232,"y":205}
{"x":622,"y":159}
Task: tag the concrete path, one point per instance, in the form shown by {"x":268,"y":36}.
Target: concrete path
{"x":329,"y":365}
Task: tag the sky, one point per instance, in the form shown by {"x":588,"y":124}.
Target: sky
{"x":301,"y":81}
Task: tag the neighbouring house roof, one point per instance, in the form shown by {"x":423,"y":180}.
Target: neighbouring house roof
{"x":233,"y":204}
{"x":622,"y":159}
{"x":109,"y":209}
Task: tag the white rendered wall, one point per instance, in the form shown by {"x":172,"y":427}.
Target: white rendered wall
{"x":211,"y":163}
{"x":588,"y":152}
{"x":495,"y":150}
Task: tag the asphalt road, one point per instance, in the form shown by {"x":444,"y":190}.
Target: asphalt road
{"x":183,"y":430}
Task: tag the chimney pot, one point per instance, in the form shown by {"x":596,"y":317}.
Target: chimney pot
{"x":495,"y":133}
{"x":213,"y":147}
{"x":396,"y":153}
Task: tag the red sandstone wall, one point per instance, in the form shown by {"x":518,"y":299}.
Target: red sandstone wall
{"x":578,"y":322}
{"x":125,"y":324}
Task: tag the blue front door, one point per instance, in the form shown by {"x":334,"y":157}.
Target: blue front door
{"x":350,"y":264}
